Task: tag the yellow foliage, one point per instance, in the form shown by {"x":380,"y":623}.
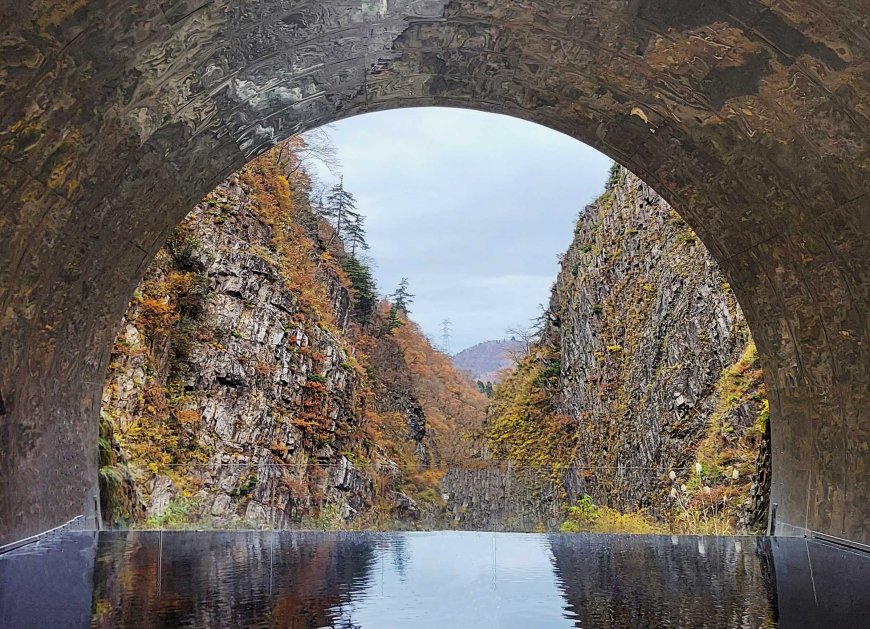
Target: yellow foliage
{"x":157,"y":315}
{"x":612,"y":521}
{"x":522,"y":426}
{"x":302,"y":267}
{"x":589,"y":518}
{"x":716,"y":499}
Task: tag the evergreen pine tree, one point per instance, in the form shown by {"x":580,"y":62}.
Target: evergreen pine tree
{"x":340,"y":208}
{"x":355,"y":234}
{"x":393,"y":320}
{"x":401,"y":299}
{"x":363,"y":287}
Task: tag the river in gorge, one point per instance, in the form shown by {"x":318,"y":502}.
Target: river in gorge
{"x":435,"y":579}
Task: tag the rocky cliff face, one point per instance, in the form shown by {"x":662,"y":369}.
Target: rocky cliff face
{"x":645,"y":367}
{"x":646,"y":325}
{"x":254,"y":399}
{"x":255,"y":382}
{"x":245,"y":390}
{"x":502,"y":497}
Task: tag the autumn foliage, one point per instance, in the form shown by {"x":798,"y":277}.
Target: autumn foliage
{"x":398,"y":377}
{"x":523,"y":426}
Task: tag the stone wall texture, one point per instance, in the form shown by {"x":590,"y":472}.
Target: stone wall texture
{"x":749,"y":116}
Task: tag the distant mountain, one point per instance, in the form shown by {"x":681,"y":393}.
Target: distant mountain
{"x":485,"y":360}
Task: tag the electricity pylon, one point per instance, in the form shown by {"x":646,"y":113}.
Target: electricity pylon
{"x":445,"y":335}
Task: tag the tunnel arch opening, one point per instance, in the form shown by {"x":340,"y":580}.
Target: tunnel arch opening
{"x":745,"y":115}
{"x":222,"y":381}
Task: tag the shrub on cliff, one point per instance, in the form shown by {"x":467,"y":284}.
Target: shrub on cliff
{"x":586,"y":517}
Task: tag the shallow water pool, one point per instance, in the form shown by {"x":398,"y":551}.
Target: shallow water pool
{"x":437,"y":579}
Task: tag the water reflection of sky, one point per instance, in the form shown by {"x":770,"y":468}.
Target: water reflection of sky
{"x":441,"y":579}
{"x":460,"y":579}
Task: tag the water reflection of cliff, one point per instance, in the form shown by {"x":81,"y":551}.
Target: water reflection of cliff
{"x":439,"y":580}
{"x":643,"y":581}
{"x":232,"y":579}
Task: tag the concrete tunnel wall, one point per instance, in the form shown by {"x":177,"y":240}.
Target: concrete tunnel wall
{"x":750,"y":117}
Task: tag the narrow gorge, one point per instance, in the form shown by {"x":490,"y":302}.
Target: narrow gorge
{"x":642,"y":399}
{"x":258,"y":380}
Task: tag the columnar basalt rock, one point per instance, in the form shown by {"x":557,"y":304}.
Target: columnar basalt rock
{"x":655,"y":360}
{"x":748,"y":116}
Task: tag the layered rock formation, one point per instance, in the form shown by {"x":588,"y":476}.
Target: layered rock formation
{"x":255,"y":382}
{"x":246,"y":389}
{"x":228,"y":382}
{"x":645,"y":367}
{"x":646,"y":327}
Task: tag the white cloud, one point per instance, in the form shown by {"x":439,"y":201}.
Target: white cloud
{"x":472,"y":207}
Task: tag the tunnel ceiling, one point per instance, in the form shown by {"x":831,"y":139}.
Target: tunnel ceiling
{"x":749,"y":116}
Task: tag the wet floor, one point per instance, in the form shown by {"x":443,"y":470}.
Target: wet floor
{"x":438,"y":579}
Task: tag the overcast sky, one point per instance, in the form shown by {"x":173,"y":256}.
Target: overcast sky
{"x":473,"y":208}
